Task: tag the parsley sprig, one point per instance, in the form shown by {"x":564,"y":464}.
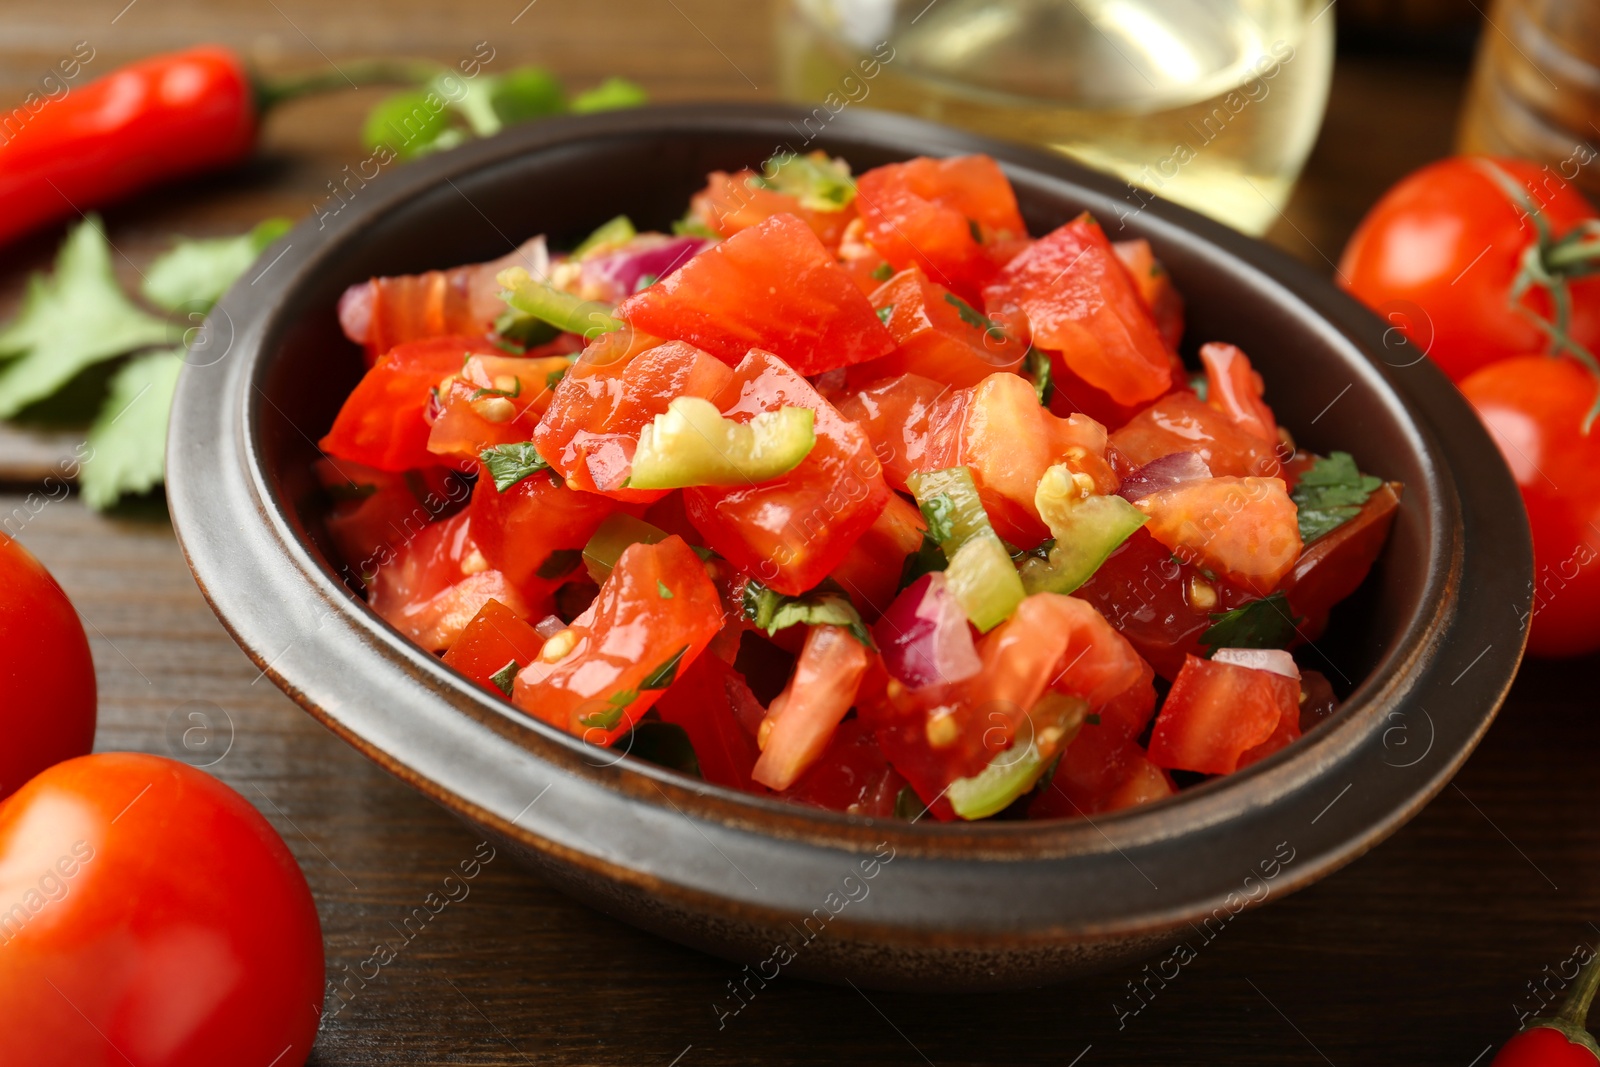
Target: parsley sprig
{"x":1330,"y":494}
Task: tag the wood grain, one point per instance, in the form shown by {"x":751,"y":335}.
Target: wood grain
{"x":1416,"y":954}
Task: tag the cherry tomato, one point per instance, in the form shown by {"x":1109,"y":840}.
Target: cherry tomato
{"x":1545,"y":1046}
{"x":773,"y":287}
{"x":150,"y":915}
{"x":46,"y":672}
{"x":1535,"y":408}
{"x":384,"y":420}
{"x":1450,"y":240}
{"x":956,"y":219}
{"x":1073,"y":296}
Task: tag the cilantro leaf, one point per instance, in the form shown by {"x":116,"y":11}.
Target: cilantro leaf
{"x":773,"y":611}
{"x":926,"y":559}
{"x":195,"y":274}
{"x":76,"y":318}
{"x":663,"y":676}
{"x":509,"y":464}
{"x":973,"y":317}
{"x":939,"y":513}
{"x":1330,"y":494}
{"x":1036,"y":365}
{"x":882,"y":272}
{"x":505,"y":677}
{"x":128,"y":439}
{"x":885,"y":313}
{"x":1264,"y":623}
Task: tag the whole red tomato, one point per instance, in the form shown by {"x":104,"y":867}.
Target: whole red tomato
{"x":1535,"y":407}
{"x":1439,"y":253}
{"x":47,"y":713}
{"x":150,"y":915}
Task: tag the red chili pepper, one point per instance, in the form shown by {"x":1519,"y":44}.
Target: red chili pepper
{"x":160,"y":118}
{"x":1560,"y":1040}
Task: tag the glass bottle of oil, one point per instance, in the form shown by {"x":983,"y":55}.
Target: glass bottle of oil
{"x":1211,"y":103}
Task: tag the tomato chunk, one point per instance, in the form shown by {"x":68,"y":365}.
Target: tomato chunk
{"x":870,"y":572}
{"x":938,"y":335}
{"x":1245,"y":529}
{"x":654,"y":616}
{"x":703,"y":702}
{"x":1075,"y":298}
{"x":1332,"y":566}
{"x":773,"y":287}
{"x":802,"y":718}
{"x":1235,"y":389}
{"x":374,"y":511}
{"x":1217,"y":712}
{"x":492,"y":400}
{"x":1182,"y":422}
{"x":495,"y":639}
{"x":1155,"y":288}
{"x":731,"y":203}
{"x":384,"y":422}
{"x":956,"y":219}
{"x":534,"y":532}
{"x":437,"y":581}
{"x":851,"y":775}
{"x":790,"y":532}
{"x":592,"y":426}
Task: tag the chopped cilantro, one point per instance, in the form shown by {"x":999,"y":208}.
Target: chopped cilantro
{"x":524,"y":330}
{"x":509,"y":464}
{"x":884,"y":313}
{"x":610,"y":713}
{"x":973,"y":317}
{"x":505,"y":676}
{"x":1264,"y":623}
{"x":662,"y":591}
{"x":560,"y":563}
{"x":1330,"y":494}
{"x":772,"y":611}
{"x":1198,"y":383}
{"x":511,"y":393}
{"x":976,"y":230}
{"x":925,"y":560}
{"x":664,"y":675}
{"x":645,"y":281}
{"x":882,"y":272}
{"x":553,"y":379}
{"x":939,"y":513}
{"x":1036,"y":365}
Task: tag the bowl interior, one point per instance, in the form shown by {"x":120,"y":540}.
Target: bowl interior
{"x":1319,"y":383}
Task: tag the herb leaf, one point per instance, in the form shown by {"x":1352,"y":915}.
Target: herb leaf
{"x":509,"y":464}
{"x":128,"y":439}
{"x":664,"y":675}
{"x":1264,"y":623}
{"x":773,"y":611}
{"x":882,"y":272}
{"x":505,"y":676}
{"x":973,"y":317}
{"x":939,"y":513}
{"x":925,"y":560}
{"x":76,"y":318}
{"x":195,"y":274}
{"x":1036,"y":366}
{"x":1330,"y":494}
{"x":885,"y":313}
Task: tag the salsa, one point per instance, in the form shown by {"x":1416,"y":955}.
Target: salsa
{"x":850,"y":491}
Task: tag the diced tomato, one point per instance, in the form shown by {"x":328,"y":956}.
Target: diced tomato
{"x":384,"y":422}
{"x":956,"y":218}
{"x":493,"y":400}
{"x":803,"y":717}
{"x":1182,"y":422}
{"x":940,"y":733}
{"x":938,"y":334}
{"x":534,"y":532}
{"x":1143,"y":784}
{"x":1217,"y":712}
{"x":494,"y":639}
{"x":1159,"y":603}
{"x":1099,"y":773}
{"x":436,"y":583}
{"x":870,"y":571}
{"x":703,"y":701}
{"x":730,"y":203}
{"x":592,"y":426}
{"x":658,"y":608}
{"x":1235,"y":389}
{"x":792,"y":531}
{"x":1333,"y":565}
{"x":865,"y":265}
{"x":773,"y":287}
{"x":1072,"y":294}
{"x":375,"y":510}
{"x":1155,"y":288}
{"x":1244,"y":529}
{"x":997,"y":428}
{"x":851,"y":775}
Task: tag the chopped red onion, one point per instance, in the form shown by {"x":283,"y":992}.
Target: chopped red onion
{"x":924,"y":636}
{"x":355,"y":312}
{"x":1275,"y":660}
{"x":549,"y":626}
{"x":651,"y":254}
{"x":1163,"y":473}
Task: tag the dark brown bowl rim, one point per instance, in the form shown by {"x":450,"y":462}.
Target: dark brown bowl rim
{"x":241,"y":547}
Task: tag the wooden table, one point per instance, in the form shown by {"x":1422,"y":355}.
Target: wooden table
{"x":1420,"y":953}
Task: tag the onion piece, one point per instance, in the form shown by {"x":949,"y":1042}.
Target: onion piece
{"x":924,"y":636}
{"x":1275,"y":660}
{"x":549,"y":626}
{"x":653,"y":254}
{"x":1163,"y":473}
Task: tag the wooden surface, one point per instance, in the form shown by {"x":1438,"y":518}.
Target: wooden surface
{"x":1420,"y":953}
